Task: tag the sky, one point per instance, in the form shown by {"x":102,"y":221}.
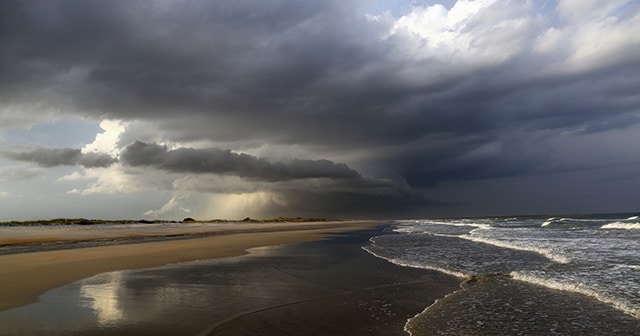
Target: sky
{"x":352,"y":109}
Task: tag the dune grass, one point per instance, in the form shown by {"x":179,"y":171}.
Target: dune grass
{"x":85,"y":221}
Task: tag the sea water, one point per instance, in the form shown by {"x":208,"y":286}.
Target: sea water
{"x":597,"y":256}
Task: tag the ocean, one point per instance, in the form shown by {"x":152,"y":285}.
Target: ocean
{"x":513,"y":267}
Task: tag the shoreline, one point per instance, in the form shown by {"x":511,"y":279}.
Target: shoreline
{"x":40,"y":236}
{"x":314,"y":283}
{"x":25,"y":276}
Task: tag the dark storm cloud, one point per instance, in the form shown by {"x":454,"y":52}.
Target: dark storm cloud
{"x":244,"y":64}
{"x":96,"y":160}
{"x":288,"y":71}
{"x":52,"y":157}
{"x":218,"y":161}
{"x":356,"y":203}
{"x":46,"y":157}
{"x":304,"y":187}
{"x":321,"y":75}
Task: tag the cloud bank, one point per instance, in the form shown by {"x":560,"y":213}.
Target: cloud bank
{"x":52,"y":157}
{"x":375,"y":110}
{"x":213,"y":160}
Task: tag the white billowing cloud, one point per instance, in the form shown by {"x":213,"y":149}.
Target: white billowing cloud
{"x":177,"y":204}
{"x":593,"y":35}
{"x":112,"y":180}
{"x":599,"y":43}
{"x":428,"y":22}
{"x":4,"y":194}
{"x":75,"y":176}
{"x":589,"y":35}
{"x":107,"y":141}
{"x":583,"y":10}
{"x":471,"y":32}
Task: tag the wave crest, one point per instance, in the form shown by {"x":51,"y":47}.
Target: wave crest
{"x":621,"y":225}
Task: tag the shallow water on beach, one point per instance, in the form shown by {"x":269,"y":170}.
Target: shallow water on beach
{"x":329,"y":287}
{"x":499,"y":305}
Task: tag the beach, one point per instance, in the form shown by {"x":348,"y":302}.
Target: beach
{"x":331,"y":278}
{"x":24,"y":276}
{"x":312,"y":279}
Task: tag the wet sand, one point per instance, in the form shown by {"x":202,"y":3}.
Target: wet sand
{"x":322,"y":287}
{"x":499,"y":305}
{"x":24,"y":276}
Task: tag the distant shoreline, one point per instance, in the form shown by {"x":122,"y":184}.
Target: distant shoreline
{"x":188,"y":220}
{"x":108,"y":232}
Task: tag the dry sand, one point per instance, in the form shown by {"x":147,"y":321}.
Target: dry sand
{"x":23,"y":277}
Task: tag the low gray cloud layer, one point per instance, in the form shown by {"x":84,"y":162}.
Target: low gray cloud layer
{"x":52,"y":157}
{"x":483,"y":90}
{"x":217,"y":161}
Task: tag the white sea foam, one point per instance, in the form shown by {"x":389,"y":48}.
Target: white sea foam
{"x":452,"y":228}
{"x":571,"y":222}
{"x":459,"y":222}
{"x":578,"y":288}
{"x":633,"y":217}
{"x":590,"y":257}
{"x":550,"y":254}
{"x":621,"y":225}
{"x":415,"y":265}
{"x":552,"y":220}
{"x":406,"y":325}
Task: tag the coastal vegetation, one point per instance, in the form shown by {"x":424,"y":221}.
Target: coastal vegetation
{"x":188,"y":220}
{"x":82,"y":221}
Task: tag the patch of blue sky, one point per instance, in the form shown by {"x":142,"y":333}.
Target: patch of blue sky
{"x":401,"y":7}
{"x":63,"y":132}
